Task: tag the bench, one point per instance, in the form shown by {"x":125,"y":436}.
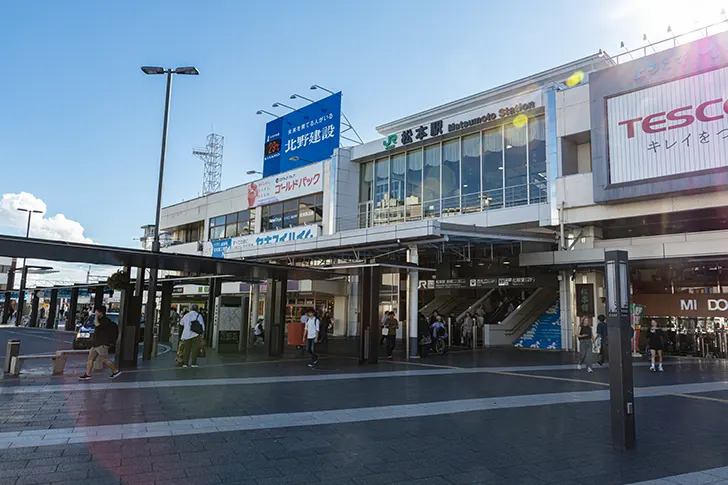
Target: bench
{"x":58,"y":361}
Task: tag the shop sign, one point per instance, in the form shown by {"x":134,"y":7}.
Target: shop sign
{"x":469,"y":283}
{"x":221,"y":248}
{"x":669,"y":129}
{"x":479,"y":116}
{"x":178,"y":289}
{"x":683,"y":305}
{"x":585,"y":300}
{"x":289,"y":185}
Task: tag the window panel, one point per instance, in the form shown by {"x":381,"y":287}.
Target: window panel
{"x":414,"y":178}
{"x":217,"y":232}
{"x":381,"y":181}
{"x":431,"y":182}
{"x":231,"y":230}
{"x":537,"y":159}
{"x":451,"y":176}
{"x":515,"y":165}
{"x":396,"y":180}
{"x":366,"y":182}
{"x":493,"y":168}
{"x":470,"y":183}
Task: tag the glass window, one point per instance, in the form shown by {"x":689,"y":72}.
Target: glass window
{"x":366,"y":182}
{"x":431,"y":182}
{"x":306,"y":214}
{"x":272,"y":217}
{"x":217,"y":232}
{"x":537,"y":159}
{"x":396,"y":179}
{"x":515,"y":165}
{"x":318,"y":208}
{"x":218,"y":221}
{"x":470,"y":183}
{"x":290,"y":213}
{"x":451,"y":177}
{"x":414,"y":177}
{"x":231,"y":225}
{"x":493,"y":168}
{"x":381,"y":182}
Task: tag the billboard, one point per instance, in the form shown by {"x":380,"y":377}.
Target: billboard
{"x":294,"y":183}
{"x":657,"y":122}
{"x":310,"y":133}
{"x":669,"y":129}
{"x":222,"y":248}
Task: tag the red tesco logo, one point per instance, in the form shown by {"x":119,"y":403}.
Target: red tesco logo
{"x":677,"y":118}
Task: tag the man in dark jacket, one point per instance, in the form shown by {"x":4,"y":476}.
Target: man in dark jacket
{"x":105,"y":335}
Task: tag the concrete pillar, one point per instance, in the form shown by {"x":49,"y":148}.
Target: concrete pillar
{"x":370,"y":281}
{"x":353,"y":324}
{"x":413,"y":283}
{"x":164,"y":308}
{"x":275,"y":316}
{"x":255,"y":304}
{"x":52,"y":309}
{"x":34,"y":300}
{"x":566,"y":308}
{"x":71,"y":313}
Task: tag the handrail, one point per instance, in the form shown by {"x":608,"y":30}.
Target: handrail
{"x":543,"y":296}
{"x":475,"y":305}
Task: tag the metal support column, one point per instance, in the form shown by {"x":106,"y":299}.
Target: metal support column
{"x":7,"y":305}
{"x":52,"y":309}
{"x":130,"y":313}
{"x":275,"y":316}
{"x":71,"y":313}
{"x":150,"y":315}
{"x":370,"y":282}
{"x":34,"y":300}
{"x":7,"y":313}
{"x":164,"y":308}
{"x":213,"y":293}
{"x":99,"y":296}
{"x":244,"y":325}
{"x":621,"y":383}
{"x":413,"y":283}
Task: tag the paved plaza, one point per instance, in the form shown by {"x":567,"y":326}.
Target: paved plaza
{"x":492,"y":416}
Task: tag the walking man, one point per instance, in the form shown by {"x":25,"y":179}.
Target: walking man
{"x":391,"y":324}
{"x":602,"y":332}
{"x":105,"y":335}
{"x":193,"y":327}
{"x":311,"y":330}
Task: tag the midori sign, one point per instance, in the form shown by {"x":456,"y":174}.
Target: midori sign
{"x":684,"y":305}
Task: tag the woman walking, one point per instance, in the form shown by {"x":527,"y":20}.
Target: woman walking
{"x":586,"y":341}
{"x":467,"y":327}
{"x":656,"y":341}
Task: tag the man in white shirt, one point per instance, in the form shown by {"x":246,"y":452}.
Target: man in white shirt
{"x":310,"y":334}
{"x":193,"y":327}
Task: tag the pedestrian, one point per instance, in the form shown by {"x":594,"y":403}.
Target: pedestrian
{"x":425,"y":337}
{"x":602,"y":334}
{"x":325,"y":324}
{"x":586,"y":341}
{"x":656,"y":341}
{"x":105,"y":335}
{"x":391,"y":324}
{"x":42,"y":313}
{"x":433,"y":318}
{"x":310,"y":334}
{"x":258,"y":333}
{"x":480,"y":316}
{"x":383,"y":327}
{"x":467,"y":327}
{"x":193,"y":327}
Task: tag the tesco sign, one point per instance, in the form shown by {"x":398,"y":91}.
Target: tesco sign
{"x":673,"y":128}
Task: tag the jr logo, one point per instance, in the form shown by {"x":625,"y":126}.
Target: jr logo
{"x":390,"y":142}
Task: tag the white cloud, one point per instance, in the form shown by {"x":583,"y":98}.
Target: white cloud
{"x":57,"y":227}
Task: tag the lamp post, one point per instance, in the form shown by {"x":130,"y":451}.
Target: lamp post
{"x":24,"y":274}
{"x":152,"y":291}
{"x":295,"y":159}
{"x":261,"y":111}
{"x":277,"y":105}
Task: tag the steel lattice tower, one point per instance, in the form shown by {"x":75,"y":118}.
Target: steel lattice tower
{"x":212,"y":156}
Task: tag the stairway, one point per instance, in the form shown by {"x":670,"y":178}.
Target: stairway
{"x":545,"y":333}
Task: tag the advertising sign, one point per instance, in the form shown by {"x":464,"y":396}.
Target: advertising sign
{"x":225,"y":248}
{"x":585,"y":300}
{"x":545,"y":333}
{"x":669,"y":129}
{"x":295,"y":183}
{"x":461,"y":121}
{"x":310,"y":133}
{"x":682,"y":305}
{"x":490,"y":282}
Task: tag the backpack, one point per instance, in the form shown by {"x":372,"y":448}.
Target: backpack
{"x":113,"y":333}
{"x":196,"y":326}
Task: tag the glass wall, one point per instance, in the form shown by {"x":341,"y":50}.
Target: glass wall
{"x":413,"y":194}
{"x":493,"y":168}
{"x":431,"y":184}
{"x":451,"y":177}
{"x":515,"y":165}
{"x":232,"y":225}
{"x":470,"y":183}
{"x":504,"y":166}
{"x":537,"y":160}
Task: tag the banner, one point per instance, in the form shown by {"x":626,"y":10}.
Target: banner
{"x":295,"y":183}
{"x":226,"y":248}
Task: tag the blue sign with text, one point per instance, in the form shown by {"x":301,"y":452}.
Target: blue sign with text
{"x":309,"y":134}
{"x":219,"y":246}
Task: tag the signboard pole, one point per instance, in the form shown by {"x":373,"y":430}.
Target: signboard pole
{"x":621,"y":384}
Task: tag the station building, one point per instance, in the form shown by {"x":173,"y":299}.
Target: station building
{"x":508,"y":200}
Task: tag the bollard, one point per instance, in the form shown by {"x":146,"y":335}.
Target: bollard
{"x":449,"y":331}
{"x":155,"y":341}
{"x":11,"y":350}
{"x":475,"y":337}
{"x":174,"y":338}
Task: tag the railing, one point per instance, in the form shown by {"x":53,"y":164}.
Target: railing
{"x":392,"y":211}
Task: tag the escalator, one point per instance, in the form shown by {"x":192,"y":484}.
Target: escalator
{"x":513,"y":324}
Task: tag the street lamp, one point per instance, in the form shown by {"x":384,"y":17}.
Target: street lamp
{"x":24,"y":274}
{"x":316,"y":86}
{"x":276,"y":105}
{"x":261,"y":111}
{"x":254,"y":172}
{"x":296,"y":158}
{"x":152,"y":292}
{"x":294,"y":96}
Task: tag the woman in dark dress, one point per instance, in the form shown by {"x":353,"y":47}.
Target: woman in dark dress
{"x":656,"y":341}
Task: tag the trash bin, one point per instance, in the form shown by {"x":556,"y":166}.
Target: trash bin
{"x":295,"y":333}
{"x":11,"y":350}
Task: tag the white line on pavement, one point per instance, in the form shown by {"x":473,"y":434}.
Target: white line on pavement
{"x":90,"y":434}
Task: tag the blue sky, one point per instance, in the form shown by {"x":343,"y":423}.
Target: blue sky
{"x":81,"y":125}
